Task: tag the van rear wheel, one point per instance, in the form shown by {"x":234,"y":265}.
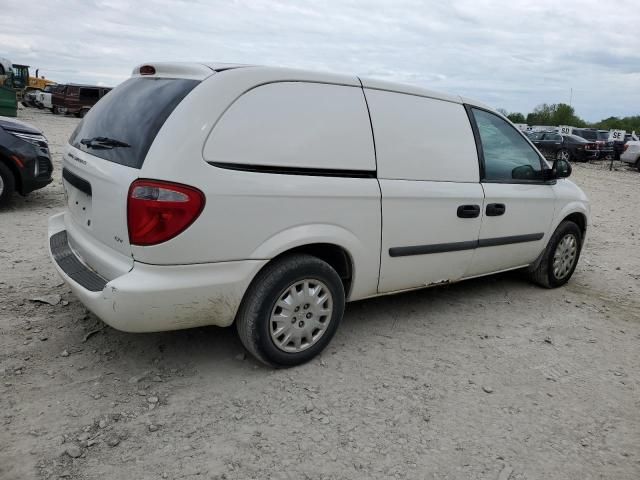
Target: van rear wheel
{"x":560,"y":258}
{"x":291,"y":310}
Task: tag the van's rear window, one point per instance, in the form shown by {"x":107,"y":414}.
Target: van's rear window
{"x":132,"y":113}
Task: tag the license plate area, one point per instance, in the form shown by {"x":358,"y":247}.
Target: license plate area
{"x":78,"y":194}
{"x":79,"y":205}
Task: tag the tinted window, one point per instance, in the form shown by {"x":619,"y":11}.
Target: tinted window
{"x":536,"y":136}
{"x":132,"y":113}
{"x":576,"y":139}
{"x":589,"y":134}
{"x":603,"y":135}
{"x":507,"y":155}
{"x":89,"y":94}
{"x":552,"y":137}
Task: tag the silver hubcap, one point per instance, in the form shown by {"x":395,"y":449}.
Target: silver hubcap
{"x":563,"y":155}
{"x":301,"y":315}
{"x":565,"y":256}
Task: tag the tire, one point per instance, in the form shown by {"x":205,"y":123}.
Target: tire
{"x":563,"y":154}
{"x":566,"y":239}
{"x":638,"y":164}
{"x":7,"y":185}
{"x":274,"y":285}
{"x":55,"y":110}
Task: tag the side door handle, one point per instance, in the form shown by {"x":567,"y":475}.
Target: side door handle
{"x":495,"y":209}
{"x":469,"y":211}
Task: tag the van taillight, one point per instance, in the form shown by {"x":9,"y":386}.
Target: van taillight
{"x":157,"y":211}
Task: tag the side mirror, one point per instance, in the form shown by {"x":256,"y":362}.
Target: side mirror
{"x":560,"y":169}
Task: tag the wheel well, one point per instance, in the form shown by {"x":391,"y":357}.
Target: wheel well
{"x":336,"y":256}
{"x":14,"y":170}
{"x":580,"y":220}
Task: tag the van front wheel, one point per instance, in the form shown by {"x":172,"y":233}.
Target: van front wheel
{"x":560,"y":258}
{"x":291,"y":310}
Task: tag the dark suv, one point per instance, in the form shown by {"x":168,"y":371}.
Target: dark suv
{"x":601,"y":138}
{"x":25,"y":164}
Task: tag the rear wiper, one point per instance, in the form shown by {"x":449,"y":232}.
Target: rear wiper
{"x":103,"y":142}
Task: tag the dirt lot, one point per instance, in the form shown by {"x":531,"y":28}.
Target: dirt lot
{"x":489,"y":379}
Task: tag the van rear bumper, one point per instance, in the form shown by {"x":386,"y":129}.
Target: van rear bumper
{"x":151,"y":298}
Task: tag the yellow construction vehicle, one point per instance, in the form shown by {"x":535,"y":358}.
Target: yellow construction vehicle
{"x":23,"y":82}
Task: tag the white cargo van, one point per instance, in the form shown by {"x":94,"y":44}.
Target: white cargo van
{"x":213,"y":194}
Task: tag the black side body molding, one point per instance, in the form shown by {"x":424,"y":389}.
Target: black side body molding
{"x":72,"y":266}
{"x":493,"y":242}
{"x":80,"y":183}
{"x":458,"y":246}
{"x":314,"y":172}
{"x":437,"y":248}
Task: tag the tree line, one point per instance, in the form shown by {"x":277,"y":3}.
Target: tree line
{"x":563,"y":114}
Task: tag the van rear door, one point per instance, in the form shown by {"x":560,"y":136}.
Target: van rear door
{"x":105,"y":154}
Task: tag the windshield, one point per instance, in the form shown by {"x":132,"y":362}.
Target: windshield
{"x":603,"y":135}
{"x":131,"y":114}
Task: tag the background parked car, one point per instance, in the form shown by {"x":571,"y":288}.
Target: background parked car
{"x":29,"y":98}
{"x":618,"y":146}
{"x":565,"y":147}
{"x":43,"y":98}
{"x":25,"y":164}
{"x":77,"y":99}
{"x":600,"y":137}
{"x":631,"y":153}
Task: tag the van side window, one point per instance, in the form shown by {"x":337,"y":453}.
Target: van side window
{"x":507,"y":155}
{"x":290,"y":125}
{"x":420,"y":138}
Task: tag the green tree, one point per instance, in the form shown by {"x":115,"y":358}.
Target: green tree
{"x":554,"y":114}
{"x":630,"y":124}
{"x":516,"y":117}
{"x":541,"y":115}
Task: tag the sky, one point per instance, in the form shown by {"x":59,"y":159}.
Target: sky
{"x":508,"y":54}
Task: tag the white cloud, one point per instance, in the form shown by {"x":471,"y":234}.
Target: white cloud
{"x":508,"y":54}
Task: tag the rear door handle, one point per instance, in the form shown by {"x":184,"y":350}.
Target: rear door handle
{"x":469,"y":211}
{"x":495,"y":209}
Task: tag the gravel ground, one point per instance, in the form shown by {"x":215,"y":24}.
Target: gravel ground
{"x":487,"y":379}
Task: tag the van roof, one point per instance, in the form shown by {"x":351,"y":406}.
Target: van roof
{"x":199,"y":71}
